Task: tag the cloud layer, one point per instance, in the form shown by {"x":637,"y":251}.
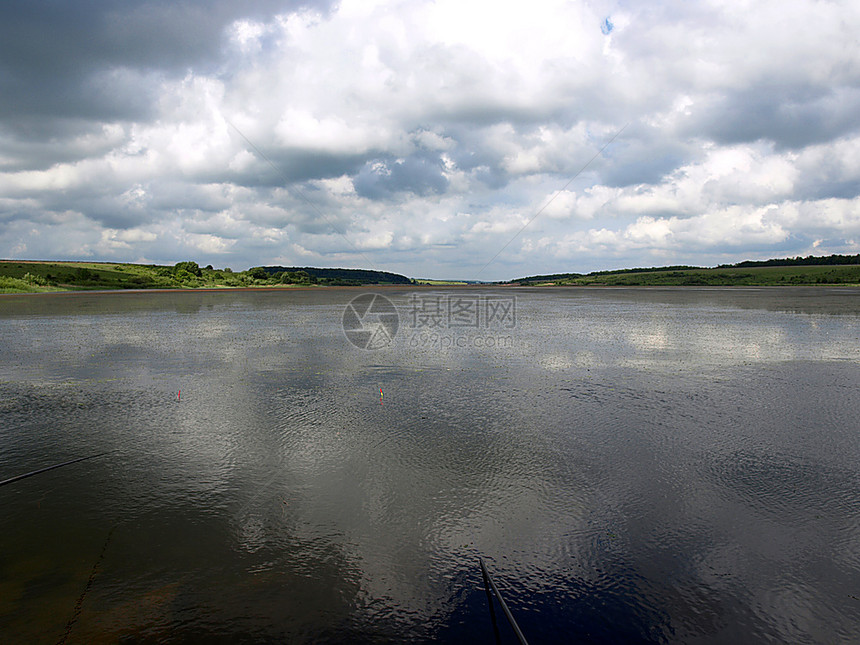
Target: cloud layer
{"x":421,"y":137}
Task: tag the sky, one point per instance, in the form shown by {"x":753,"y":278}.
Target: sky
{"x":446,"y":139}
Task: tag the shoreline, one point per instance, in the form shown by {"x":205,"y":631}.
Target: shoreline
{"x":710,"y":287}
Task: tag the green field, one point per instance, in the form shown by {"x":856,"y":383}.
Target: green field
{"x":21,"y":277}
{"x":723,"y":276}
{"x":18,"y":276}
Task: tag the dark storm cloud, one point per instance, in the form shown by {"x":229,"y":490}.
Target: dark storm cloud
{"x":288,"y":166}
{"x":791,"y":117}
{"x":419,"y":174}
{"x":839,"y":189}
{"x":303,"y":165}
{"x":24,"y":149}
{"x":102,"y":59}
{"x":642,"y":156}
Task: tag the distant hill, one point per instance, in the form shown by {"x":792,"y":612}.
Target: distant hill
{"x":25,"y":276}
{"x":832,"y":269}
{"x":809,"y":260}
{"x":352,"y":276}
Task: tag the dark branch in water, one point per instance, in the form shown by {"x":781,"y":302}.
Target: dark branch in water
{"x":79,"y":605}
{"x":43,"y":470}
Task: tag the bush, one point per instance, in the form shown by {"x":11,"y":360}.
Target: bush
{"x":13,"y":285}
{"x":299,"y":277}
{"x":84,"y":275}
{"x":34,"y":279}
{"x":258,"y":273}
{"x":185,"y":277}
{"x":190,"y":267}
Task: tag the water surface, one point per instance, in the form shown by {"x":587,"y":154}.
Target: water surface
{"x":635,"y":465}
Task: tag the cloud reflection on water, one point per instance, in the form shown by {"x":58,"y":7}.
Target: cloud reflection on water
{"x":658,"y":462}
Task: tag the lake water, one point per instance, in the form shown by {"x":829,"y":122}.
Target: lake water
{"x":634,"y":465}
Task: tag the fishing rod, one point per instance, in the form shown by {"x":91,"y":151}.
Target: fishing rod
{"x":43,"y":470}
{"x":489,"y":584}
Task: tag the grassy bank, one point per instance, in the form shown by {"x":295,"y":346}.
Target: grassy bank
{"x":19,"y":276}
{"x":717,"y":277}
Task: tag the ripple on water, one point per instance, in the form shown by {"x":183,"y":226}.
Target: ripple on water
{"x":640,"y":466}
{"x":786,"y":488}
